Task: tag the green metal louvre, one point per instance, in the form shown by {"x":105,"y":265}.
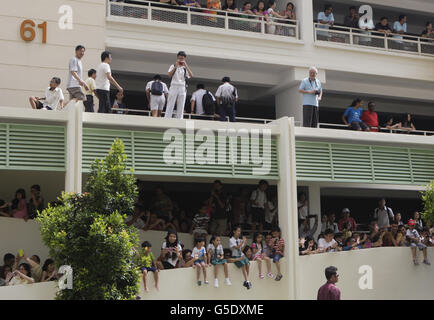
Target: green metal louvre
{"x":145,"y":153}
{"x":32,"y":147}
{"x":322,"y":161}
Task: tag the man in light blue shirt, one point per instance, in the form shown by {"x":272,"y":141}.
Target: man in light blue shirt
{"x":312,"y":93}
{"x":400,"y":27}
{"x":326,"y":20}
{"x":352,"y":116}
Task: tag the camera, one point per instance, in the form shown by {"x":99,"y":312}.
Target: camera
{"x":317,"y":92}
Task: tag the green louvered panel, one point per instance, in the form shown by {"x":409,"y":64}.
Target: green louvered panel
{"x":35,"y":147}
{"x":391,"y":164}
{"x":97,"y":143}
{"x":148,"y":155}
{"x":351,"y":163}
{"x":322,"y":161}
{"x":210,"y":168}
{"x":145,"y":151}
{"x":248,"y":169}
{"x":313,"y":161}
{"x":422,"y":164}
{"x":3,"y":142}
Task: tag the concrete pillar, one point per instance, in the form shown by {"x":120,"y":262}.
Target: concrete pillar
{"x":287,"y":200}
{"x":304,"y":12}
{"x":289,"y":103}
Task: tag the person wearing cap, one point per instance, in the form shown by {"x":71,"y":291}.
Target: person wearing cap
{"x":178,"y":73}
{"x":415,"y":242}
{"x":329,"y":291}
{"x":343,"y":222}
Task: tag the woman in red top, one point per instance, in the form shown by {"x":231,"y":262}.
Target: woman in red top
{"x":370,"y":117}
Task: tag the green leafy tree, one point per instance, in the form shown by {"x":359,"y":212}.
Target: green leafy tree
{"x":87,"y":232}
{"x":428,"y":203}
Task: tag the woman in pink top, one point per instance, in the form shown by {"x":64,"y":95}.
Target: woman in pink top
{"x":19,"y":205}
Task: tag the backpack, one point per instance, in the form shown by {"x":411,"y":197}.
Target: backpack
{"x":157,"y":88}
{"x":208,"y":104}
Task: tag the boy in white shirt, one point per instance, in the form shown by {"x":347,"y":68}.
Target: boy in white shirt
{"x":156,"y":92}
{"x":53,"y":97}
{"x":327,"y":244}
{"x":103,"y":79}
{"x":178,"y":73}
{"x":75,"y":82}
{"x":226,"y":96}
{"x":90,"y":82}
{"x":197,"y":106}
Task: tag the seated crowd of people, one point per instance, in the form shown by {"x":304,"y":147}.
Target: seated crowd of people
{"x":21,"y":269}
{"x":254,"y":210}
{"x":367,"y":120}
{"x":382,"y":27}
{"x":386,"y":229}
{"x":20,"y":208}
{"x":174,"y":254}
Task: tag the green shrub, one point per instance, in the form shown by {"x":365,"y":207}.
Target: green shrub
{"x":87,"y":232}
{"x":428,"y":203}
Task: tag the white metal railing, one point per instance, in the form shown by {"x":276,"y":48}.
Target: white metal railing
{"x":374,"y":39}
{"x":194,"y":116}
{"x":380,"y":129}
{"x":204,"y":17}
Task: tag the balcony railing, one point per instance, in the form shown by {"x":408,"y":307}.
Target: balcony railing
{"x":211,"y":19}
{"x":374,"y":39}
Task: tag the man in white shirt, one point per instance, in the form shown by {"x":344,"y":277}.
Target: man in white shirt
{"x":383,"y":214}
{"x":227,"y":96}
{"x":326,"y":20}
{"x":327,"y":244}
{"x":178,"y":73}
{"x":258,"y":201}
{"x":75,"y":73}
{"x":53,"y":97}
{"x":196,"y":100}
{"x":90,"y":82}
{"x":156,"y":92}
{"x":103,"y":79}
{"x":400,"y":27}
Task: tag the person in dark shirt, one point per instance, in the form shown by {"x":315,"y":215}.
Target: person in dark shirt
{"x":219,"y":217}
{"x":383,"y":26}
{"x":407,"y":123}
{"x":329,"y":291}
{"x":352,"y":20}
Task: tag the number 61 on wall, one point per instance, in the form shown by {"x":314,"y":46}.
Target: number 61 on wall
{"x":28,"y":26}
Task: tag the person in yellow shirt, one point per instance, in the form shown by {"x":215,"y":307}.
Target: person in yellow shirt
{"x":90,"y":82}
{"x":148,"y":264}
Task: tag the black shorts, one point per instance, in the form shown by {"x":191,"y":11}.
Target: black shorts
{"x":167,"y":265}
{"x":258,"y":215}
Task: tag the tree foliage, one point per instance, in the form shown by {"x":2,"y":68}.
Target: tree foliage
{"x":87,"y":232}
{"x":428,"y":203}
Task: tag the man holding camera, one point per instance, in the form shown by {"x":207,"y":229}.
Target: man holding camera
{"x":178,"y":73}
{"x":312,"y":94}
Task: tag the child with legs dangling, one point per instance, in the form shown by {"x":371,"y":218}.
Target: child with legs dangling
{"x":259,"y":255}
{"x":237,"y":245}
{"x":216,"y":258}
{"x":200,"y":256}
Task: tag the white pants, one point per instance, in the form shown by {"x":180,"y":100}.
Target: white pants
{"x":177,"y":94}
{"x":157,"y":102}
